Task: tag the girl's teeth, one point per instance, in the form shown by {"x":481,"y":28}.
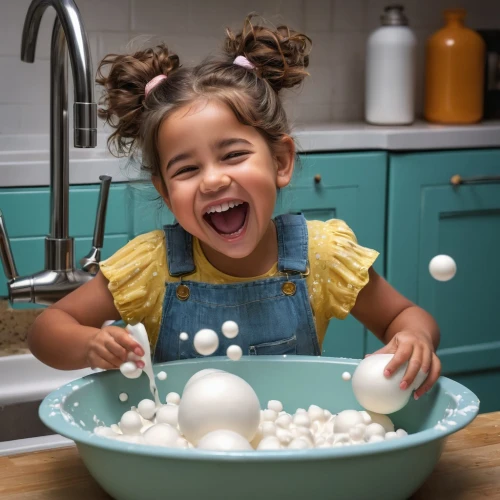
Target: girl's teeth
{"x":224,"y":206}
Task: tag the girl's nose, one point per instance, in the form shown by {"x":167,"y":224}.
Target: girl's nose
{"x":214,"y":180}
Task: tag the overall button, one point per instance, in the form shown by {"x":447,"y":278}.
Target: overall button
{"x":182,"y":292}
{"x":288,"y":288}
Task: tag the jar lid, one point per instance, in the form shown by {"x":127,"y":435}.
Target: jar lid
{"x":394,"y":16}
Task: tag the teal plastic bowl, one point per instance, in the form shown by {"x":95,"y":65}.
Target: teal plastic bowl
{"x":387,"y":470}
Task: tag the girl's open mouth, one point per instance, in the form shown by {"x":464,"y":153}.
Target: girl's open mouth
{"x":230,"y":221}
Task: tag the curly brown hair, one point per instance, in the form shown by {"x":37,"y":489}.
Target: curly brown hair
{"x":280,"y":57}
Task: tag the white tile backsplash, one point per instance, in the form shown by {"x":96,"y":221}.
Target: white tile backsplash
{"x":194,"y":29}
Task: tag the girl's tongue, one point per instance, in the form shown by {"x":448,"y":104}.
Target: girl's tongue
{"x":230,"y":221}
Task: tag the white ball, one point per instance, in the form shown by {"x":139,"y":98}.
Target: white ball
{"x":183,"y":336}
{"x":376,"y":392}
{"x":173,"y":398}
{"x":316,"y":413}
{"x":131,"y":422}
{"x":275,"y":405}
{"x":123,"y":397}
{"x":162,"y":376}
{"x":219,"y":401}
{"x":391,"y":435}
{"x":130,"y":370}
{"x":299,"y":444}
{"x":269,"y":415}
{"x":442,"y":267}
{"x":345,"y":420}
{"x":284,"y":436}
{"x":161,"y":435}
{"x":302,"y":420}
{"x":234,"y":352}
{"x":168,"y":414}
{"x":224,"y":440}
{"x":375,"y":439}
{"x":206,"y":342}
{"x":200,"y":374}
{"x":374,"y":430}
{"x":357,"y":433}
{"x":383,"y":420}
{"x":284,"y":421}
{"x":230,"y":329}
{"x":269,"y":443}
{"x":147,"y":408}
{"x":401,"y":433}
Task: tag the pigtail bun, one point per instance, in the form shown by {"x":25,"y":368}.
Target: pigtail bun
{"x":123,"y":99}
{"x":280,"y":55}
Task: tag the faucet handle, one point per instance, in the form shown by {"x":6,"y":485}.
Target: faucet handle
{"x":9,"y":265}
{"x":90,"y":262}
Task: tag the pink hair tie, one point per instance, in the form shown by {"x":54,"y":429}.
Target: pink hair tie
{"x":153,"y":83}
{"x":244,"y":62}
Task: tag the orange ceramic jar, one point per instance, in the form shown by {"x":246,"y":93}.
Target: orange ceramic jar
{"x":454,"y":72}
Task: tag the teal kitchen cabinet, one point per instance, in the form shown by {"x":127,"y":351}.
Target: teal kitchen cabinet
{"x":427,"y":216}
{"x":351,"y":187}
{"x":27,"y":217}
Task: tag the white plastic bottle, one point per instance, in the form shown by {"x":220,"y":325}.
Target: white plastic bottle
{"x":391,"y":71}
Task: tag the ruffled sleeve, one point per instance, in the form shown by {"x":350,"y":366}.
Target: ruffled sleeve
{"x":136,"y":275}
{"x":339,"y":268}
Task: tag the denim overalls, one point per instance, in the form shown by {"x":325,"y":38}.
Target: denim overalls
{"x":273,"y":314}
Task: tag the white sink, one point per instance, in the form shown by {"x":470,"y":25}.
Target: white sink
{"x":24,"y":379}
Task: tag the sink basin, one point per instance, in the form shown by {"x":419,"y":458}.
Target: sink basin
{"x":391,"y":470}
{"x":24,"y":382}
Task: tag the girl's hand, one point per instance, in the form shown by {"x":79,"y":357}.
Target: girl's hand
{"x":111,"y":346}
{"x":418,"y":350}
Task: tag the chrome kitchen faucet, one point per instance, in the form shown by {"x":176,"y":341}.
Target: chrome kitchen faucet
{"x":60,"y":276}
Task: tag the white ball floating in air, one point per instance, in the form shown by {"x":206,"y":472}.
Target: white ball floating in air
{"x":218,"y":401}
{"x":130,"y":370}
{"x":162,"y":376}
{"x":123,"y":396}
{"x":346,"y":376}
{"x":230,"y":329}
{"x":234,"y":352}
{"x":206,"y":342}
{"x":442,"y":267}
{"x":224,"y":440}
{"x":183,"y":336}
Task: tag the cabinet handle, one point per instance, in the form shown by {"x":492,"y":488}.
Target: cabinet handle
{"x":317,"y":178}
{"x":456,"y":180}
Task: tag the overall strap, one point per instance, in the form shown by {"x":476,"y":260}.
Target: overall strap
{"x":292,"y":242}
{"x":179,"y":250}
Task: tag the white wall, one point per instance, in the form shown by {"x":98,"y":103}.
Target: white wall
{"x":195,"y":28}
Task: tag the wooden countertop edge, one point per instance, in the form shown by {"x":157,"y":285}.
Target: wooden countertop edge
{"x":469,"y":469}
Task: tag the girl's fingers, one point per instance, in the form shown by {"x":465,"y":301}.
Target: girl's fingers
{"x":125,"y":340}
{"x":109,"y":357}
{"x":401,"y":356}
{"x":98,"y":362}
{"x":434,"y":374}
{"x":116,"y":349}
{"x":414,"y":365}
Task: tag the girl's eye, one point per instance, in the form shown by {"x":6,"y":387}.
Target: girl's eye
{"x":184,"y":170}
{"x":235,"y":154}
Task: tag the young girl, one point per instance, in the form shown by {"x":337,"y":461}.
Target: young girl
{"x":217,"y":144}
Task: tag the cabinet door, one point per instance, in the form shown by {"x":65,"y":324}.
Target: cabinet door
{"x":27,"y":216}
{"x":429,"y":216}
{"x":149,"y":211}
{"x":351,"y":187}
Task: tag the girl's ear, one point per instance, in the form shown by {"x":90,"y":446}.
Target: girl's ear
{"x":285,"y":161}
{"x":160,"y":186}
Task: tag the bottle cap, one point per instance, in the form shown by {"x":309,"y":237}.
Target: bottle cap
{"x":394,"y":16}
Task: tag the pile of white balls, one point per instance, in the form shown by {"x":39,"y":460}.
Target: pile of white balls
{"x":220,"y":411}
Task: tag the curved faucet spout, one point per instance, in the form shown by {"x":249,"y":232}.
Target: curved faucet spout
{"x":68,"y":16}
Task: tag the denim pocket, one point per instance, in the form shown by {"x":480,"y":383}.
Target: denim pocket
{"x":285,"y":346}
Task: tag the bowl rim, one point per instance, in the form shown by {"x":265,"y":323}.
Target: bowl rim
{"x":63,"y":424}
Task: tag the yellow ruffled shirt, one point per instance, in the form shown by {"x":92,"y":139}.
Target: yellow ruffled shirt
{"x":338,"y":266}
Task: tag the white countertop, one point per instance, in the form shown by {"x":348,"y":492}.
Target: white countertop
{"x":24,"y":159}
